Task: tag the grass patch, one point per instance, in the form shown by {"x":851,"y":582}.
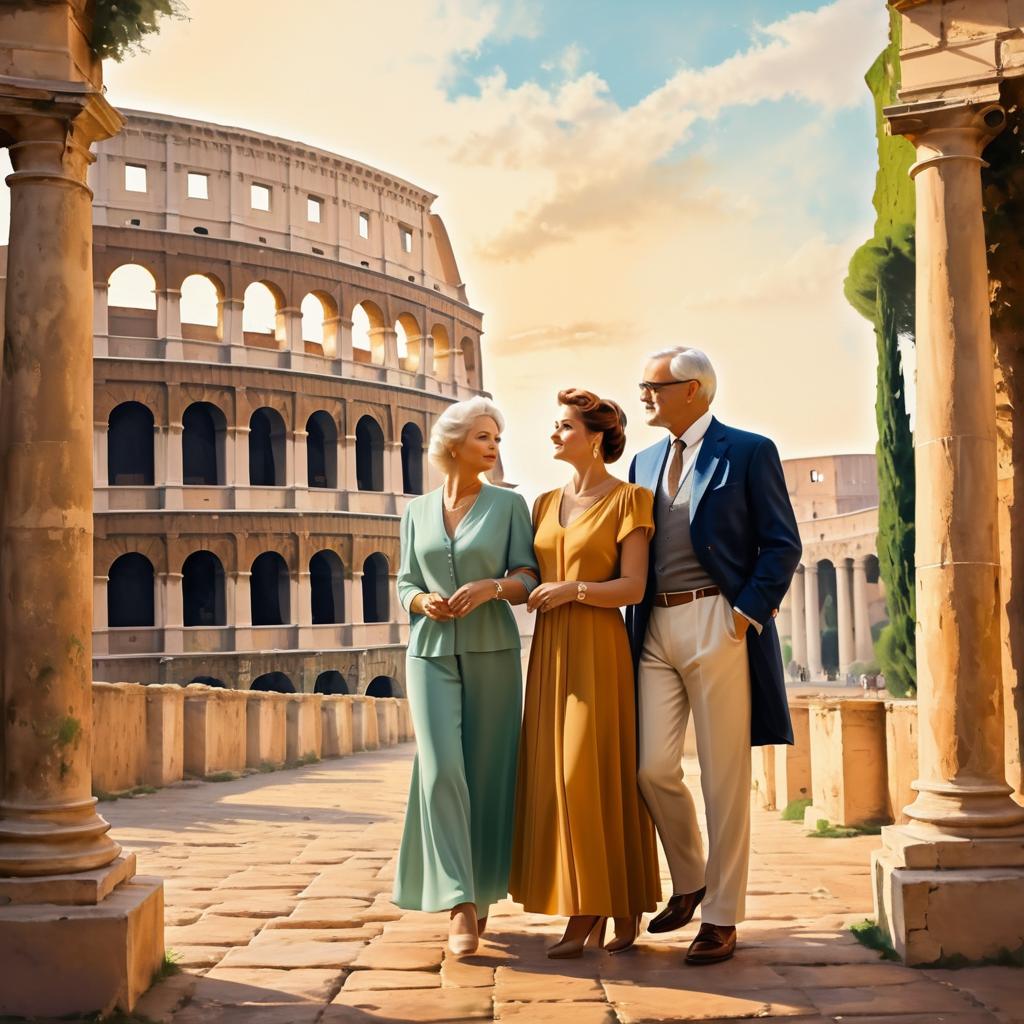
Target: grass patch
{"x":868,"y":933}
{"x":266,"y":766}
{"x":309,"y":758}
{"x":104,"y":798}
{"x":825,"y":830}
{"x":795,"y":810}
{"x":221,"y":777}
{"x":1004,"y":958}
{"x":171,"y":965}
{"x":141,"y":791}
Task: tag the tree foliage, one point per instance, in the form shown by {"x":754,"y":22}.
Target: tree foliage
{"x":880,"y":286}
{"x":119,"y":26}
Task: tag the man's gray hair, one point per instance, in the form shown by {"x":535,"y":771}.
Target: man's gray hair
{"x":454,"y":424}
{"x":691,"y":364}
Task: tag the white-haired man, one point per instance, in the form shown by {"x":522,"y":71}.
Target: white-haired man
{"x":725,"y":549}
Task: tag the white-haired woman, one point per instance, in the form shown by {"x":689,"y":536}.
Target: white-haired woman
{"x":467,"y":554}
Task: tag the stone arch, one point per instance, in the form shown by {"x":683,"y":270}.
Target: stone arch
{"x":327,"y":588}
{"x":267,"y":447}
{"x":320,"y":322}
{"x":130,"y":445}
{"x":330,"y":682}
{"x":273,"y":682}
{"x":410,"y":345}
{"x":376,"y":589}
{"x":203,"y":444}
{"x":369,"y":455}
{"x":871,"y":569}
{"x":263,"y":322}
{"x":828,"y":614}
{"x":270,"y":590}
{"x":321,"y":450}
{"x":442,"y":353}
{"x":131,"y":302}
{"x":382,"y":686}
{"x":368,"y":333}
{"x":203,"y":590}
{"x":202,"y":307}
{"x":130,"y":590}
{"x":412,"y":459}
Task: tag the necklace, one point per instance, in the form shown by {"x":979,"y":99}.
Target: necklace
{"x":588,"y":494}
{"x":460,"y":504}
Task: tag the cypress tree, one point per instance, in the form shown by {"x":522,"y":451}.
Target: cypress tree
{"x":880,"y":286}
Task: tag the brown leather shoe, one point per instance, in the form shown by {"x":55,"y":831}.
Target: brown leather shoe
{"x":678,"y":912}
{"x":714,"y":943}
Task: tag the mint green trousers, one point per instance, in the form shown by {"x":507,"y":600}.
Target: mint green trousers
{"x":457,"y":841}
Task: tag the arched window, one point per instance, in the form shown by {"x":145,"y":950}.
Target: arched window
{"x":410,"y":350}
{"x":204,"y":429}
{"x":131,"y":302}
{"x":330,"y":682}
{"x":871,"y":569}
{"x":203,"y":590}
{"x":262,"y":319}
{"x":326,"y":582}
{"x":369,"y":455}
{"x":321,"y":450}
{"x":269,"y":590}
{"x":130,"y":591}
{"x":367,"y":333}
{"x":375,"y":589}
{"x":442,"y":352}
{"x":320,"y":323}
{"x":130,"y":445}
{"x":273,"y":682}
{"x":469,"y":360}
{"x":382,"y":686}
{"x":201,"y":308}
{"x":412,"y":459}
{"x":266,"y":448}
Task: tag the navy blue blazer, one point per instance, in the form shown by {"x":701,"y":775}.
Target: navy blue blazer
{"x":745,"y":535}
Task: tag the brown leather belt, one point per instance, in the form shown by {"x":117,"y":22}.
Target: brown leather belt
{"x":670,"y":600}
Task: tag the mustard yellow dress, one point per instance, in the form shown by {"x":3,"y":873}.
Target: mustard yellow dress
{"x":584,"y":841}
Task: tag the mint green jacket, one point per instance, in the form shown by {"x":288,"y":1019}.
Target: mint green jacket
{"x":494,"y":538}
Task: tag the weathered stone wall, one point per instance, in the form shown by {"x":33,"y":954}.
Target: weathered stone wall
{"x":158,"y":735}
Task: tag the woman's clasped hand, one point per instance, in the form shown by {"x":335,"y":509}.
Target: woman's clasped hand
{"x":549,"y":596}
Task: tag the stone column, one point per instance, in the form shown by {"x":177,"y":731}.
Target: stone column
{"x":52,"y":110}
{"x":349,"y":481}
{"x":355,"y":609}
{"x":863,"y":644}
{"x":963,"y":816}
{"x":844,"y":614}
{"x":393,"y":467}
{"x":101,"y":638}
{"x":293,"y":329}
{"x":813,"y":620}
{"x":344,"y":343}
{"x":168,"y":322}
{"x":174,"y":465}
{"x":173,"y":616}
{"x":799,"y":618}
{"x":48,"y":819}
{"x":100,"y":330}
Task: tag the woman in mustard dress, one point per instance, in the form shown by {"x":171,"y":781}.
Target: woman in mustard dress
{"x":584,"y":841}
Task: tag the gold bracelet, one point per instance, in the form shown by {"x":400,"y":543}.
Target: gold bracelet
{"x":581,"y":591}
{"x":498,"y":590}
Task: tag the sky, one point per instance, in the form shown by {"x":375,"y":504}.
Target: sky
{"x":615,"y":178}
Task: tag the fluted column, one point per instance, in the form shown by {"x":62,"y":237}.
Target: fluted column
{"x":813,"y":620}
{"x":863,"y":644}
{"x":798,"y":618}
{"x":48,"y":819}
{"x":962,"y":784}
{"x":844,"y":615}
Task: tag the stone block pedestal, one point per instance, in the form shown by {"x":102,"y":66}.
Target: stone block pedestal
{"x":951,"y":897}
{"x":62,"y":960}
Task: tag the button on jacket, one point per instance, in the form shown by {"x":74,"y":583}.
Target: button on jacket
{"x":494,"y":538}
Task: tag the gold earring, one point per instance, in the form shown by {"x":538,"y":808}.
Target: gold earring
{"x":596,"y":450}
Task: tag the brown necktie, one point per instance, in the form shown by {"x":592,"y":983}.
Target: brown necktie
{"x":675,"y":466}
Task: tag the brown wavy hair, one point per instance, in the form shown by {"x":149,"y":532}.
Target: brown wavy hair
{"x":600,"y":416}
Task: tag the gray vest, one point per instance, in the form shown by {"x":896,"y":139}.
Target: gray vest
{"x":675,"y":562}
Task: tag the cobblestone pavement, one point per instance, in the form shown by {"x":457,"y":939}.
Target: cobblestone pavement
{"x":277,"y":892}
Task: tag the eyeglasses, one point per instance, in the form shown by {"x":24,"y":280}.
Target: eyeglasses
{"x":655,"y":386}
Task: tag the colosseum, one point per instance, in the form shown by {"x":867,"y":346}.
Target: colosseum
{"x":276,"y":327}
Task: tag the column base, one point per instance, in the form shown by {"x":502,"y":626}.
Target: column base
{"x":945,"y":898}
{"x":77,"y":960}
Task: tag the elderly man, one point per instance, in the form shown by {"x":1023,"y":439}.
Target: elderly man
{"x":725,"y":549}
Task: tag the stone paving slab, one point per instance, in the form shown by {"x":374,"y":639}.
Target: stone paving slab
{"x":277,"y":891}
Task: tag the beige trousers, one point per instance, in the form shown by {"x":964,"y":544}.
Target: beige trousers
{"x":693,"y":662}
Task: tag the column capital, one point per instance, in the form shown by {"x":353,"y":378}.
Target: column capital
{"x":943,"y":130}
{"x":50,"y":127}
